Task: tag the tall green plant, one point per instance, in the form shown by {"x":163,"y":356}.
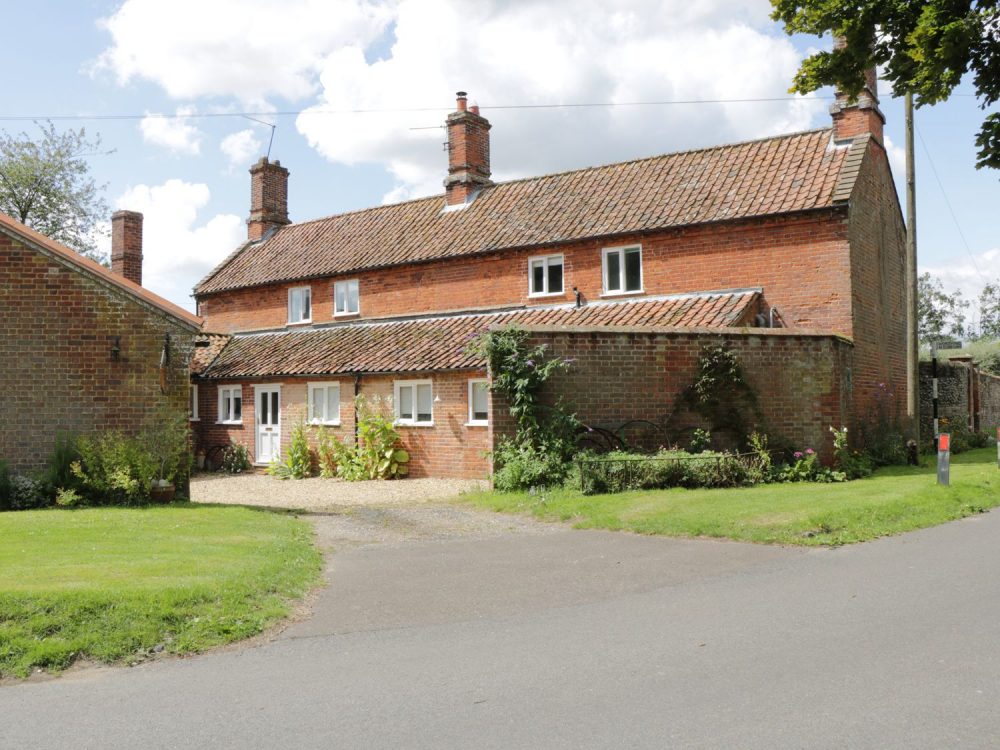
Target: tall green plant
{"x":377,"y":453}
{"x":298,"y":462}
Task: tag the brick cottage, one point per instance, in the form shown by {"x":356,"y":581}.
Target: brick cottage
{"x":83,"y":348}
{"x":790,"y":250}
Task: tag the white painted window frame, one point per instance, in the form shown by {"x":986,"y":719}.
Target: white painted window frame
{"x":412,"y":422}
{"x":473,"y":422}
{"x":193,"y":416}
{"x":349,"y":313}
{"x":291,"y":291}
{"x":545,"y":275}
{"x":325,"y":420}
{"x":620,"y":251}
{"x":223,"y":389}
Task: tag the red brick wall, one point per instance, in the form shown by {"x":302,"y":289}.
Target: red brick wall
{"x":57,"y":327}
{"x":616,"y":377}
{"x":449,"y":448}
{"x":802,"y":263}
{"x":878,"y":249}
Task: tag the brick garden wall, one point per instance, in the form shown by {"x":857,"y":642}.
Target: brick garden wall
{"x":56,"y":333}
{"x":802,"y":263}
{"x":800,"y":380}
{"x":450,"y":448}
{"x":966,"y":396}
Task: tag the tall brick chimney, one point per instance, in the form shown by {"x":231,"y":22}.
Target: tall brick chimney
{"x":468,"y":152}
{"x":268,"y":198}
{"x":851,"y":119}
{"x":126,"y":245}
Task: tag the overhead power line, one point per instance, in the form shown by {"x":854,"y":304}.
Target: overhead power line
{"x":404,"y":110}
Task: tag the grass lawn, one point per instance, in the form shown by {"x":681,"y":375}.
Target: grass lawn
{"x":111,"y":584}
{"x":896,"y":499}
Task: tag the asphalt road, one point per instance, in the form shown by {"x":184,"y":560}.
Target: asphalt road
{"x":553,"y":638}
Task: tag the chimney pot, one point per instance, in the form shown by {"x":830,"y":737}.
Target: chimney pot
{"x":126,"y":245}
{"x":851,"y":119}
{"x":462,"y":99}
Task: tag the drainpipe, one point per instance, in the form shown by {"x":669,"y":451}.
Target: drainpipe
{"x":357,"y":392}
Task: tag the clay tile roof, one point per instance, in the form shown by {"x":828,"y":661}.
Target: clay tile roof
{"x":207,"y":347}
{"x":439,"y":343}
{"x":28,"y":235}
{"x":788,"y":173}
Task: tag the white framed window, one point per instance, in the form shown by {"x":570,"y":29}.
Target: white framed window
{"x":230,"y":404}
{"x":346,"y":300}
{"x":622,"y":269}
{"x":193,"y":415}
{"x":479,"y":402}
{"x":324,"y":403}
{"x":413,"y":402}
{"x":300,"y":304}
{"x":545,"y":275}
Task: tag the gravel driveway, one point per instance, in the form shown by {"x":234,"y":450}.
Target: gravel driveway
{"x":317,"y":494}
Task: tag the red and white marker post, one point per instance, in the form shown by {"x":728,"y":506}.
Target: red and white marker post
{"x":944,"y":459}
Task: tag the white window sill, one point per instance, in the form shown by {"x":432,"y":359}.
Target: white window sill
{"x":354,"y":314}
{"x":535,"y":295}
{"x":317,"y":423}
{"x":299,"y":322}
{"x":635,"y":293}
{"x":414,"y":424}
{"x":230,"y":423}
{"x":477,"y":424}
{"x":193,"y":419}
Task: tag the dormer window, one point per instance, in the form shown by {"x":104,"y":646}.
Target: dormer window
{"x":622,"y":269}
{"x":300,"y":304}
{"x":545,"y":275}
{"x":346,"y":299}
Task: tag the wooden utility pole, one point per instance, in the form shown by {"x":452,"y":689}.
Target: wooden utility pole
{"x":912,"y":348}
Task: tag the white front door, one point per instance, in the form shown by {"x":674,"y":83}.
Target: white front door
{"x":267,"y":417}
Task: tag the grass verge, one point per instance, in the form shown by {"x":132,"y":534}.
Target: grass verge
{"x":114,"y":584}
{"x":894,"y":500}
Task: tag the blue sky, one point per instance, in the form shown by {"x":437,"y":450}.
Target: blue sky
{"x":409,"y":56}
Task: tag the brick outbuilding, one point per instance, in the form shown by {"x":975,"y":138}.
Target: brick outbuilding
{"x":790,"y":250}
{"x":83,"y":348}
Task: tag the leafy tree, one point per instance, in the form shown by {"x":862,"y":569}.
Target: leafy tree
{"x":989,"y":311}
{"x":939,"y":315}
{"x":926,"y":46}
{"x":45,"y":183}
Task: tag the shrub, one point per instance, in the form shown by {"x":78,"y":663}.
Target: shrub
{"x":620,"y":471}
{"x":168,"y":440}
{"x":805,"y":467}
{"x":27,"y":493}
{"x":59,"y":470}
{"x":521,"y":466}
{"x":4,"y":486}
{"x":377,"y":453}
{"x":760,"y":466}
{"x":235,"y":458}
{"x":331,"y":453}
{"x":298,"y":463}
{"x":854,"y":464}
{"x":115,"y":469}
{"x":701,"y":441}
{"x":68,"y":498}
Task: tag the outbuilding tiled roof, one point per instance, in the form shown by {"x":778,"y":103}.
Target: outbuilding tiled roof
{"x":777,"y":175}
{"x":439,"y":343}
{"x":206,"y":348}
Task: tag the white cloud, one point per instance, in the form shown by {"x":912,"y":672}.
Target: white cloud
{"x":565,"y":52}
{"x":967,"y":274}
{"x":897,"y":158}
{"x":249,"y":49}
{"x":174,"y":133}
{"x":240,"y":147}
{"x":178,"y":250}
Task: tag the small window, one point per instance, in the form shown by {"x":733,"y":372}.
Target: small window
{"x":193,"y":416}
{"x":345,"y":298}
{"x":545,"y":275}
{"x":324,"y":403}
{"x":300,"y":304}
{"x":414,"y":402}
{"x":622,"y":270}
{"x":479,"y":402}
{"x":231,"y":404}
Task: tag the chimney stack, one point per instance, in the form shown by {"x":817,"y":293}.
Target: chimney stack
{"x":468,"y":152}
{"x":851,"y":119}
{"x":126,"y":245}
{"x":268,"y":198}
